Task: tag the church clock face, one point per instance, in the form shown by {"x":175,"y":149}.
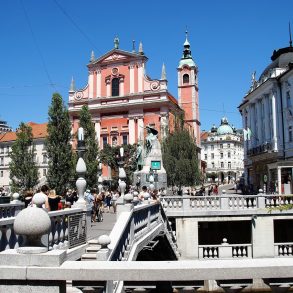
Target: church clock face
{"x":155,"y":85}
{"x":79,"y":96}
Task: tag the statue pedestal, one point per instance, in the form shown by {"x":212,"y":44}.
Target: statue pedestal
{"x":153,"y":158}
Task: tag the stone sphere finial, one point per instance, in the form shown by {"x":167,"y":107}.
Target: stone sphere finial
{"x":33,"y":222}
{"x":39,"y":199}
{"x":128,"y":197}
{"x":104,"y":241}
{"x":15,"y":196}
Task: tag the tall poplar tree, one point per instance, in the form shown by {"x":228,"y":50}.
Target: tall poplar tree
{"x":23,"y":168}
{"x":92,"y":148}
{"x":59,"y":150}
{"x":180,"y":158}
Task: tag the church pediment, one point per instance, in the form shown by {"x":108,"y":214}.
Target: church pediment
{"x":117,"y":55}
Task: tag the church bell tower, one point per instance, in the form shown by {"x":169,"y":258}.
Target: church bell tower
{"x":188,"y":89}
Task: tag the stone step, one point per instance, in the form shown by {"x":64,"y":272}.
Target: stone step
{"x":89,"y":256}
{"x":93,"y":242}
{"x":92,"y":249}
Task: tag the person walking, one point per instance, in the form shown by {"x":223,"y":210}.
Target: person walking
{"x":115,"y":196}
{"x":53,"y":200}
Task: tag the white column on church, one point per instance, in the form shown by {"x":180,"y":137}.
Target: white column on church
{"x":140,"y":78}
{"x":99,"y":83}
{"x":98,"y":130}
{"x":91,"y":84}
{"x":274,"y":117}
{"x":164,"y":125}
{"x":108,"y":88}
{"x":131,"y":75}
{"x":131,"y":128}
{"x":140,"y":129}
{"x":121,"y":87}
{"x":179,"y":89}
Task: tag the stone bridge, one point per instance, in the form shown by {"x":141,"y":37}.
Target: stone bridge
{"x":141,"y":250}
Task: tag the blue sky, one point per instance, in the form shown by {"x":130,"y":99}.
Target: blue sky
{"x":41,"y":42}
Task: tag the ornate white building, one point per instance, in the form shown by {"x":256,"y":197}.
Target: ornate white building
{"x":267,"y":111}
{"x":222,"y":150}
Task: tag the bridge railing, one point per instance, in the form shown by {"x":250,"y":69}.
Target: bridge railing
{"x":131,"y":227}
{"x":8,"y":210}
{"x":68,"y":230}
{"x":231,"y":202}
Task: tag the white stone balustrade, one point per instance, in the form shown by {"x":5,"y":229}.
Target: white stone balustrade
{"x":284,"y":249}
{"x":58,"y":237}
{"x":225,"y":250}
{"x":8,"y":210}
{"x":131,"y":227}
{"x":222,"y":203}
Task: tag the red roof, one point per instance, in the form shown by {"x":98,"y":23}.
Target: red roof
{"x":38,"y":131}
{"x":204,"y":135}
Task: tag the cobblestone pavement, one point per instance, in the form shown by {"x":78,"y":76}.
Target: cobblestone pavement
{"x":99,"y":228}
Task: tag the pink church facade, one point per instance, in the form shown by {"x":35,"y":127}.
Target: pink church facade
{"x":123,"y":100}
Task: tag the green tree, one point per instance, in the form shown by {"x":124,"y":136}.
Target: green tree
{"x":180,"y":158}
{"x":23,"y":169}
{"x":110,"y":156}
{"x":92,"y":148}
{"x":59,"y":150}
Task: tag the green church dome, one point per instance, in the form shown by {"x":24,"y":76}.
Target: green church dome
{"x":225,"y":128}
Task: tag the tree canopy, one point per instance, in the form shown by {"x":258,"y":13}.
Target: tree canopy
{"x":23,"y":168}
{"x":59,"y":150}
{"x":91,"y":144}
{"x":110,"y":156}
{"x":180,"y":158}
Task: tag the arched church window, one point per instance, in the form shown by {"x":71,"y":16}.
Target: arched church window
{"x":115,"y":87}
{"x":185,"y":78}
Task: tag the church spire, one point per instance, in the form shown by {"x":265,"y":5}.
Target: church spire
{"x":163,"y":75}
{"x":116,"y":43}
{"x":186,"y":51}
{"x":92,"y":56}
{"x":140,"y":49}
{"x":290,"y":36}
{"x":72,"y":85}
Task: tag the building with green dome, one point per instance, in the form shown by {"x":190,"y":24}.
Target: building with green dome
{"x":222,"y":150}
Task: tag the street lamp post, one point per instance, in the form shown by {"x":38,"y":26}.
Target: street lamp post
{"x":122,"y":174}
{"x":80,"y":168}
{"x":100,"y":178}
